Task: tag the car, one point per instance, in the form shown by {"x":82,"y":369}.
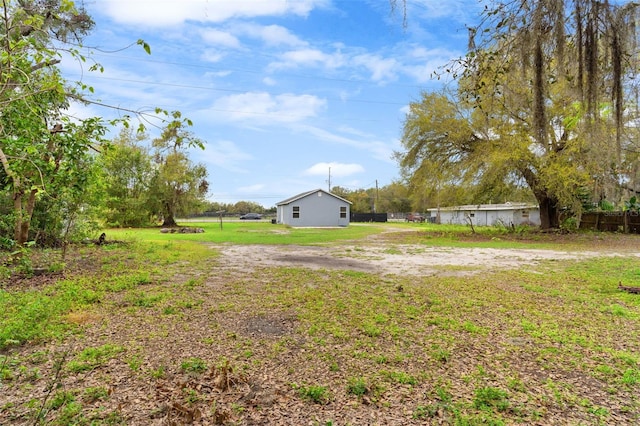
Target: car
{"x":415,"y":217}
{"x":251,"y":216}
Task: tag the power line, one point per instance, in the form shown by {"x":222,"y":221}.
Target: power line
{"x":257,"y":72}
{"x":187,"y":86}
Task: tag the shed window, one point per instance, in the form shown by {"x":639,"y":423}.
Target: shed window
{"x":296,"y":212}
{"x":343,"y":212}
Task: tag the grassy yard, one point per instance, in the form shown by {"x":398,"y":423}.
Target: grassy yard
{"x":160,"y":330}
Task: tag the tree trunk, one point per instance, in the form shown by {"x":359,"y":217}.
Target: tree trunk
{"x":27,"y":214}
{"x":17,"y":210}
{"x":549,"y":217}
{"x":169,"y":222}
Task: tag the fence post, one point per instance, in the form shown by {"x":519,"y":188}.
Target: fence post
{"x":626,"y":222}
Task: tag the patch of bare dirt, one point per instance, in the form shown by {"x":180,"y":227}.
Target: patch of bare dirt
{"x":398,"y":259}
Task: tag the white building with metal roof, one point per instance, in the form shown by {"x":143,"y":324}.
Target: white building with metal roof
{"x":506,"y":214}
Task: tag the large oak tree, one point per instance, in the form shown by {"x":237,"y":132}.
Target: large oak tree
{"x":543,"y":99}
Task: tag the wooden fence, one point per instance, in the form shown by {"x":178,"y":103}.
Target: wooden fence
{"x":627,"y":222}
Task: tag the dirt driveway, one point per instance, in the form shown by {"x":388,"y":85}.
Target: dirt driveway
{"x":401,"y":259}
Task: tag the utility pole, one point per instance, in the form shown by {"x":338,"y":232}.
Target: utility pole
{"x":375,"y":204}
{"x":329,"y":181}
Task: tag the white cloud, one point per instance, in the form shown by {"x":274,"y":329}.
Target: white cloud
{"x":269,"y":81}
{"x":211,"y":55}
{"x":220,"y":38}
{"x":309,"y":58}
{"x":337,"y":169}
{"x":217,"y":74}
{"x":251,"y":189}
{"x":459,"y":10}
{"x":427,"y":61}
{"x":379,"y":150}
{"x":224,"y":155}
{"x":380,"y":68}
{"x":162,"y":13}
{"x":262,"y":106}
{"x":272,"y":35}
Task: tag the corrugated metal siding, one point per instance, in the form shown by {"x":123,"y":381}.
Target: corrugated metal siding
{"x":491,"y":217}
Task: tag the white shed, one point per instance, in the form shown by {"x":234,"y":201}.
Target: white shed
{"x":488,"y":214}
{"x":314,"y":208}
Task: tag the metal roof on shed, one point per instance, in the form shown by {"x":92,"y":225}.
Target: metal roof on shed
{"x":488,"y":207}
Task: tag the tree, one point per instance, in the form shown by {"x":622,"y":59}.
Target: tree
{"x":42,"y":152}
{"x":394,"y":198}
{"x":541,"y":102}
{"x":127,"y":175}
{"x":243,"y":207}
{"x":179,"y":187}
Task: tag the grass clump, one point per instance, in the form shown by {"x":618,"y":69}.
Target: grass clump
{"x":91,"y":358}
{"x":95,"y":393}
{"x":194,"y":365}
{"x":357,"y":386}
{"x":401,"y":377}
{"x":488,"y":398}
{"x":314,"y":393}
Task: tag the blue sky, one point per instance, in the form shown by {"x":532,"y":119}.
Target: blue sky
{"x":283,"y":92}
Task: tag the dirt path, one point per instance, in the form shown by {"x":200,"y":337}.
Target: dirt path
{"x":401,"y":259}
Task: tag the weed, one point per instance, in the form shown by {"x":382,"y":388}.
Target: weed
{"x":371,"y":330}
{"x":237,"y":408}
{"x":488,"y":398}
{"x":70,"y":413}
{"x":413,"y":312}
{"x":631,"y":377}
{"x":135,"y":362}
{"x":618,"y":311}
{"x":191,"y":396}
{"x":381,"y":359}
{"x":194,"y":365}
{"x":516,"y":385}
{"x":93,"y":394}
{"x":401,"y":377}
{"x":169,"y":310}
{"x":425,"y":411}
{"x":112,"y":418}
{"x":91,"y":358}
{"x":357,"y":386}
{"x":443,"y":404}
{"x":440,"y":354}
{"x":472,"y":328}
{"x":192,"y":284}
{"x":144,"y":300}
{"x":314,"y":393}
{"x":158,"y":373}
{"x":61,"y":398}
{"x":598,"y":411}
{"x":605,"y":369}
